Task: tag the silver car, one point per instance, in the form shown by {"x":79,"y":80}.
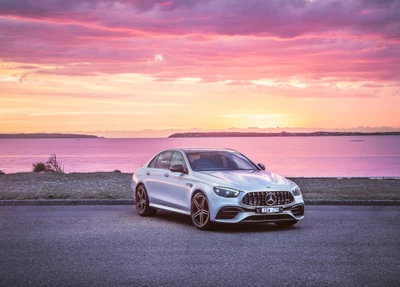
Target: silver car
{"x":215,"y":185}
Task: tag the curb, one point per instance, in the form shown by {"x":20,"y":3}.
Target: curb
{"x":39,"y":202}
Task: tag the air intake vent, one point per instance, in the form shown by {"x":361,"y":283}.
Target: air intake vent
{"x":267,"y":218}
{"x":298,"y":210}
{"x":228,"y":213}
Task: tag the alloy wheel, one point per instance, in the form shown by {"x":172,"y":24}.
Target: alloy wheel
{"x":200,"y":211}
{"x":141,"y":200}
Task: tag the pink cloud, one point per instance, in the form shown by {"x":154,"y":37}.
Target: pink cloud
{"x":239,"y":83}
{"x":166,"y":3}
{"x":284,"y":19}
{"x":373,"y":85}
{"x":320,"y":91}
{"x":213,"y":40}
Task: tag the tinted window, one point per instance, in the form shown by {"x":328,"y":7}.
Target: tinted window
{"x":164,"y":159}
{"x":153,"y":162}
{"x":219,"y":160}
{"x":177,"y":158}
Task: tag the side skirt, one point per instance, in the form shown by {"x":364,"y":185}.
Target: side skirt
{"x":163,"y":207}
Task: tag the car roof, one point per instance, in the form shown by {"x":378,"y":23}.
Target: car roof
{"x":204,"y":149}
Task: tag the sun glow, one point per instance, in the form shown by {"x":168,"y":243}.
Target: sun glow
{"x":258,"y":120}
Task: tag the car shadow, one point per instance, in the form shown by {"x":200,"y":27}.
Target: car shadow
{"x":173,"y":217}
{"x":250,"y":227}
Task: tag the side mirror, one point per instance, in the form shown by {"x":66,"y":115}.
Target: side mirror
{"x":261,"y":166}
{"x":178,"y":168}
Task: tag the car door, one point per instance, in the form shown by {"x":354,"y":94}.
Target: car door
{"x":155,"y":177}
{"x":177,"y":185}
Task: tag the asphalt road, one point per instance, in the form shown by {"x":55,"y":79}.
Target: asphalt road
{"x":112,"y":246}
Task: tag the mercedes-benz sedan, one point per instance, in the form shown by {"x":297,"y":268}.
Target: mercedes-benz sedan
{"x":215,"y":185}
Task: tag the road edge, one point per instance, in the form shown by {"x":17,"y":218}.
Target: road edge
{"x":130,"y":202}
{"x":66,"y":202}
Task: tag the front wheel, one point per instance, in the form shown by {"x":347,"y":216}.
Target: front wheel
{"x":200,"y":212}
{"x":142,"y":202}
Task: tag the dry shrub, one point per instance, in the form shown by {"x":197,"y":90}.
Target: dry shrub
{"x":51,"y":165}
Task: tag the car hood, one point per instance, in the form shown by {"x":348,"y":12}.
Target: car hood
{"x":246,"y":180}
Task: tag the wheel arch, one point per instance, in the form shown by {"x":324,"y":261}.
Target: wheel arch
{"x":139,"y":183}
{"x":194,"y":192}
{"x":197,"y":190}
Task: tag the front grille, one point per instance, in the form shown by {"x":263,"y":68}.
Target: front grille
{"x":298,"y":210}
{"x":228,"y":213}
{"x":267,"y":218}
{"x":259,"y":198}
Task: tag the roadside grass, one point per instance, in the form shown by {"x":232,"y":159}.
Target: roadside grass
{"x":115,"y":185}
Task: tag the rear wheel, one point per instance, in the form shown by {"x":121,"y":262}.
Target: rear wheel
{"x":286,"y":223}
{"x":200,"y":212}
{"x":142,"y":202}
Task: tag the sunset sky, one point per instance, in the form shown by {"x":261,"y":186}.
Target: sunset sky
{"x":87,"y":66}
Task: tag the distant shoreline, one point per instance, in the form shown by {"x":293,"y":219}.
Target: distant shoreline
{"x":196,"y":135}
{"x":46,"y":136}
{"x":281,"y":134}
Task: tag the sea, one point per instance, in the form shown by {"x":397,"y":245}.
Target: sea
{"x":328,"y":156}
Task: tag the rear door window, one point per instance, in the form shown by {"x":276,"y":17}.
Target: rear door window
{"x":153,"y":163}
{"x":164,"y":160}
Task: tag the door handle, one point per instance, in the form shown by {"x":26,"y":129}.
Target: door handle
{"x":148,"y":173}
{"x":166,"y":174}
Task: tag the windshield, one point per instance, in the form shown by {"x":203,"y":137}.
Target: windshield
{"x":219,"y":160}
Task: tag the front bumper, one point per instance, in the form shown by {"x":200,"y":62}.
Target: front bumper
{"x":234,"y":211}
{"x":246,"y":215}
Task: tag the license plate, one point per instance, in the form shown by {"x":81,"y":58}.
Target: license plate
{"x":270,"y":210}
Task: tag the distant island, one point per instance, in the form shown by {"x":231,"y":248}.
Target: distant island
{"x":281,"y":134}
{"x":46,"y":136}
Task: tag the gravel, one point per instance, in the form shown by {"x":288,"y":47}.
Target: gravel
{"x":97,"y":185}
{"x":110,"y":185}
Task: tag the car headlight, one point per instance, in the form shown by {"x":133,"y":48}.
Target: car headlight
{"x":226,"y":191}
{"x":296,"y":191}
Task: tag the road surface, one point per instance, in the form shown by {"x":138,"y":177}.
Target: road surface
{"x":113,"y":246}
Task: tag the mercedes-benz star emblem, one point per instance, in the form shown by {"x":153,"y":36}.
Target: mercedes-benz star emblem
{"x":270,"y":199}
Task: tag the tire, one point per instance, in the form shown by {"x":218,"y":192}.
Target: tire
{"x":286,"y":223}
{"x":200,"y":212}
{"x":142,"y":202}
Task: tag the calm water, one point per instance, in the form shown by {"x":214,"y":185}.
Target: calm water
{"x":291,"y":156}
